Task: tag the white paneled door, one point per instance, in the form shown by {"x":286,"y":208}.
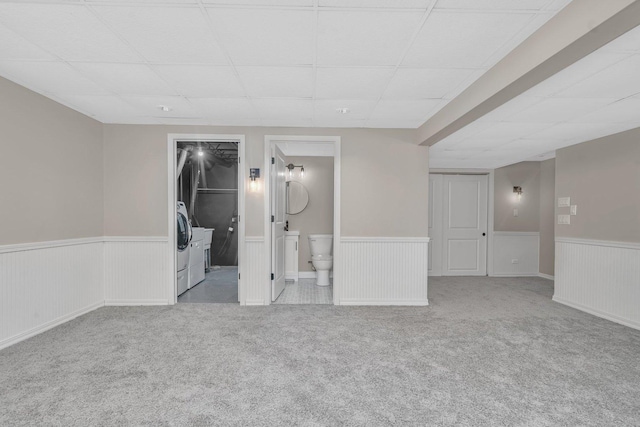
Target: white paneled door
{"x":278,"y":220}
{"x":458,"y":225}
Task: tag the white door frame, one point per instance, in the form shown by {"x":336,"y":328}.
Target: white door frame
{"x":172,"y":140}
{"x":490,"y":205}
{"x":269,"y":140}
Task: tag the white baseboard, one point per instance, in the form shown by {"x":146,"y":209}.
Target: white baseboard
{"x":134,"y":302}
{"x":46,"y":326}
{"x":546,"y":276}
{"x":598,"y":313}
{"x":377,"y":302}
{"x":306,"y":275}
{"x":254,"y":303}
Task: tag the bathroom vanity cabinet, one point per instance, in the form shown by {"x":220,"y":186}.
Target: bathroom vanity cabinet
{"x":291,"y":247}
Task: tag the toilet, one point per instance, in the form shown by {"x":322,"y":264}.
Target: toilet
{"x":321,"y":246}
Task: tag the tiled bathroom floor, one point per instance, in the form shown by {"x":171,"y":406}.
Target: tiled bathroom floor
{"x":305,"y":292}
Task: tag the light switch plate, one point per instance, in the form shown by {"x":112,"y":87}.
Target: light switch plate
{"x":574,"y":210}
{"x":564,"y":202}
{"x":564,"y":219}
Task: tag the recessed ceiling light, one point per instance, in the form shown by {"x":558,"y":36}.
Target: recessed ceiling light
{"x":343,"y":110}
{"x":164,"y":108}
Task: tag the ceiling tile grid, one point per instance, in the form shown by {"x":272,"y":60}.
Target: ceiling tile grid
{"x":391,"y":63}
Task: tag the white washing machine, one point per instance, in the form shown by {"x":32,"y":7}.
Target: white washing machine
{"x":183,"y":232}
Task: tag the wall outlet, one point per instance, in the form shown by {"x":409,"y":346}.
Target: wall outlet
{"x":574,"y":210}
{"x":564,"y":219}
{"x":515,"y":212}
{"x":564,"y":202}
{"x":514,"y":261}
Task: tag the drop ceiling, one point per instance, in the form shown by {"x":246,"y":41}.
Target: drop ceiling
{"x":597,"y":96}
{"x":392,"y":63}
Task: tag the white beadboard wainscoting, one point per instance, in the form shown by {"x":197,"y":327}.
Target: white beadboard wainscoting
{"x":599,"y":277}
{"x":384,"y":271}
{"x":256,"y":272}
{"x":48,"y":283}
{"x":136,"y":271}
{"x":522,"y":247}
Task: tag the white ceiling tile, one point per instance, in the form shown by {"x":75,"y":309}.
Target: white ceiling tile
{"x":394,"y":123}
{"x":535,"y":145}
{"x":326,"y":122}
{"x":166,"y":34}
{"x":277,"y":82}
{"x":628,"y":42}
{"x":116,"y":2}
{"x":351,"y":83}
{"x":201,"y":80}
{"x":364,"y":38}
{"x":533,"y":5}
{"x":13,"y":46}
{"x":506,"y":130}
{"x":573,"y":131}
{"x":479,"y":144}
{"x":623,"y":111}
{"x":178,"y":106}
{"x":413,"y":83}
{"x":395,"y":4}
{"x":576,"y":72}
{"x":50,"y":77}
{"x":618,"y":81}
{"x":558,"y":110}
{"x":71,"y":32}
{"x":217,"y":109}
{"x":265,"y":37}
{"x":462,"y":40}
{"x":358,"y":109}
{"x":275,"y":3}
{"x":557,"y":4}
{"x":126,"y":79}
{"x":407,"y":110}
{"x":101,"y":107}
{"x":284,"y":109}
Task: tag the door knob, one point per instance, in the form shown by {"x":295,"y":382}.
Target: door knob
{"x":484,"y":234}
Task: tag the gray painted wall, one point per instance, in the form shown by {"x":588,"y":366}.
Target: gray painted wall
{"x":527,"y":176}
{"x":50,"y":169}
{"x":384,"y":175}
{"x":602,"y":177}
{"x":547,"y":215}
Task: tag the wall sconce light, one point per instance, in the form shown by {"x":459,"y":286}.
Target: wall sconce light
{"x":518,"y":191}
{"x":291,"y":167}
{"x":254,"y":174}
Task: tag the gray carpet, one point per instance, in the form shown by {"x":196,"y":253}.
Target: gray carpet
{"x":218,"y":286}
{"x":486,"y":352}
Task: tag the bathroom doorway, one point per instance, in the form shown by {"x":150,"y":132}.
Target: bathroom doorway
{"x":208,"y":208}
{"x":302,"y":208}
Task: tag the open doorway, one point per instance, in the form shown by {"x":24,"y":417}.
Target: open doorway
{"x":303,"y":215}
{"x":208,"y":234}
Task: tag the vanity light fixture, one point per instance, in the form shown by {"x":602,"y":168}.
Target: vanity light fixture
{"x":291,"y":167}
{"x":518,"y":191}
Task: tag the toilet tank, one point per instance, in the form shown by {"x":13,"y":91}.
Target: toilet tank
{"x":321,"y":244}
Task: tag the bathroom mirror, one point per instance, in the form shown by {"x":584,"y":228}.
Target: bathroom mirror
{"x":297,"y":197}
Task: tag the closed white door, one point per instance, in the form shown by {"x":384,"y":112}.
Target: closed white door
{"x":278,"y":219}
{"x":435,"y":225}
{"x":464,"y":231}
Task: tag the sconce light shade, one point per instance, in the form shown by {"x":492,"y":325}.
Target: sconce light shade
{"x":254,"y":174}
{"x":518,"y":191}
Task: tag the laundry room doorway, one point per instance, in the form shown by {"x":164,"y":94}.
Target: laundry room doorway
{"x":206,"y":217}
